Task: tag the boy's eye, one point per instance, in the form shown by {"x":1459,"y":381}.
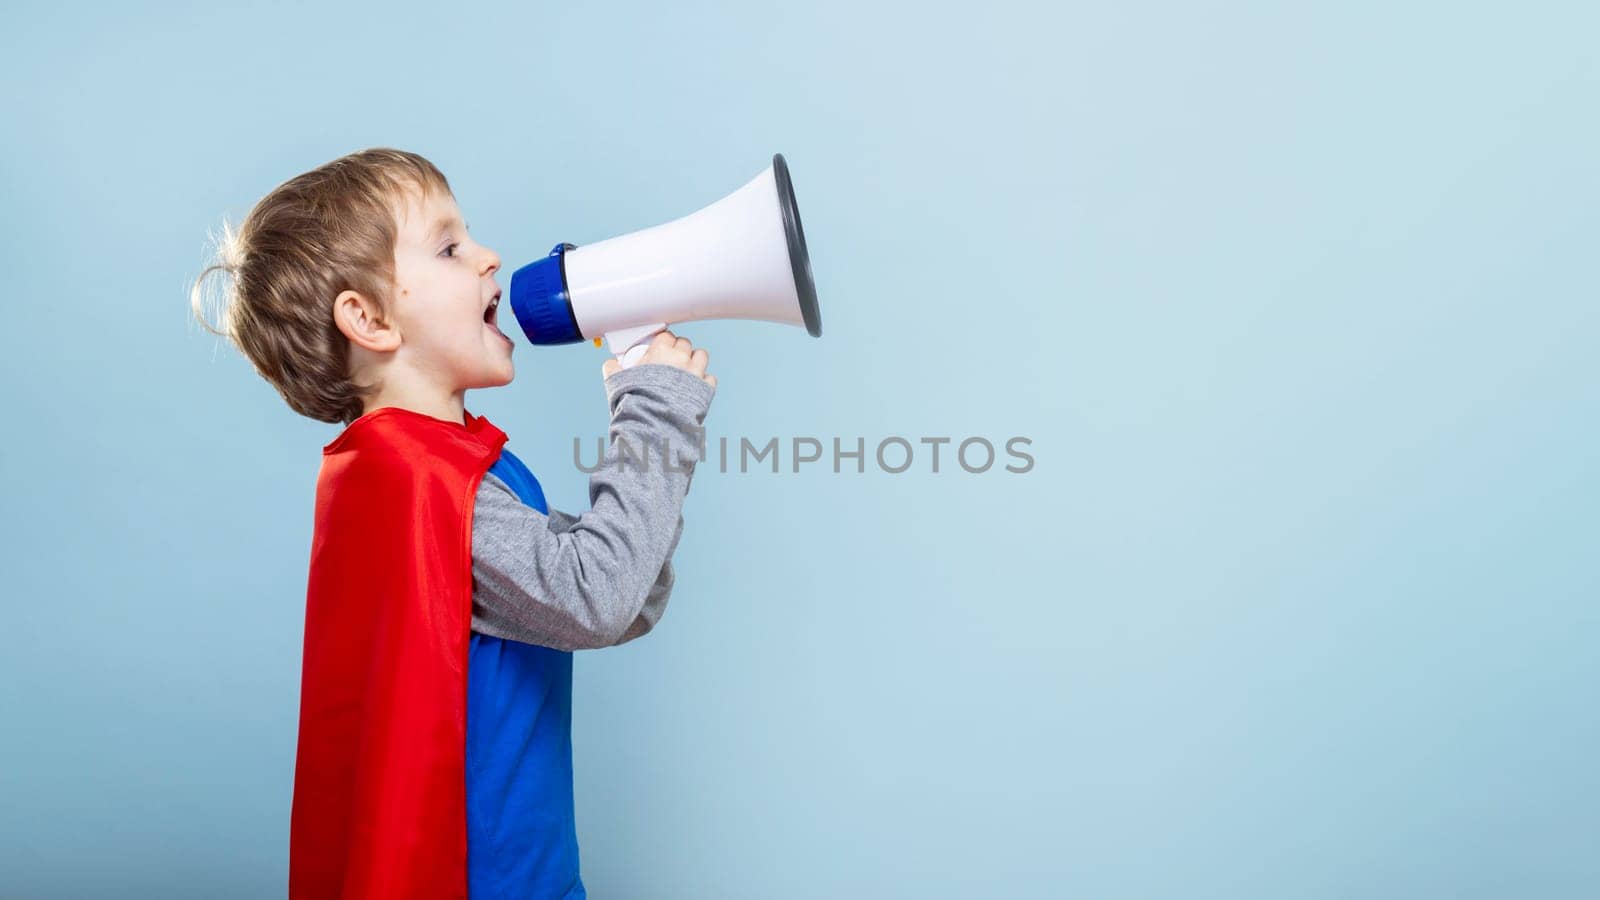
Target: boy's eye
{"x":450,"y":250}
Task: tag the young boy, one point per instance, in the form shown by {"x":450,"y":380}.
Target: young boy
{"x":444,"y":598}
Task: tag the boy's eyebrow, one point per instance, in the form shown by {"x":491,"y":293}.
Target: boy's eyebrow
{"x":443,"y":225}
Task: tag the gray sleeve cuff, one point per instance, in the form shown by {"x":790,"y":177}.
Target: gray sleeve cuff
{"x":678,"y":387}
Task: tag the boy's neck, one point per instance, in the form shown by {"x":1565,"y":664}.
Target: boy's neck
{"x":431,"y":401}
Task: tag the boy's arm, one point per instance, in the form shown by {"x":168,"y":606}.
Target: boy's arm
{"x":655,"y":602}
{"x":589,"y":582}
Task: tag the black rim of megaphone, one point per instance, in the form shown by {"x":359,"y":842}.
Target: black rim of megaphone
{"x":799,"y":259}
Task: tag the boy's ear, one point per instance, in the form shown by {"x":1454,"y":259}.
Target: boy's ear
{"x":361,"y":319}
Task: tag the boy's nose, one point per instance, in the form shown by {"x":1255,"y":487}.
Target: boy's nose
{"x":491,"y":262}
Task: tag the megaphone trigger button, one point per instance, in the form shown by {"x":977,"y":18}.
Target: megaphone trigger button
{"x":597,"y":342}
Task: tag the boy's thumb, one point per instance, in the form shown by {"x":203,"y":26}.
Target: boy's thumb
{"x":610,"y":367}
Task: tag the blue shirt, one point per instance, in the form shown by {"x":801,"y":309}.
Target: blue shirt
{"x":522,"y":838}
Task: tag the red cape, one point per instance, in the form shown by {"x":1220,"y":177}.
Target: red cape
{"x":379,"y":786}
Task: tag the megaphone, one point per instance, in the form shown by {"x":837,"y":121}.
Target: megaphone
{"x":742,"y":257}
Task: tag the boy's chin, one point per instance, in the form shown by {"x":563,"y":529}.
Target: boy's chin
{"x":496,"y":379}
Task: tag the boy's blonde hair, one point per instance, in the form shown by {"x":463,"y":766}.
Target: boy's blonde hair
{"x":329,"y":230}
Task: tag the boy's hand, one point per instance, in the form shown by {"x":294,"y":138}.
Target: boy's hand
{"x":669,"y":349}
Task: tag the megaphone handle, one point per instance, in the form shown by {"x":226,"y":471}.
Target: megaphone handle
{"x":632,"y":355}
{"x":629,"y":344}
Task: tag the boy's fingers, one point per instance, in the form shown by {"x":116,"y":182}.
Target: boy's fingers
{"x":609,"y":368}
{"x":697,"y":362}
{"x":712,"y":380}
{"x":664,"y":339}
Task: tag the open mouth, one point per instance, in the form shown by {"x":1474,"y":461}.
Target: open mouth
{"x":491,"y":317}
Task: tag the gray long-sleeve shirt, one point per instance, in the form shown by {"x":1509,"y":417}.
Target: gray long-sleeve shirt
{"x":601,"y":578}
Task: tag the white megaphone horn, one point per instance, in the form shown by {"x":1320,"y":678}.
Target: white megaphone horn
{"x":742,"y":257}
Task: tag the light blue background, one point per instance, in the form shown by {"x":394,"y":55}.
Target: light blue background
{"x":1298,"y":307}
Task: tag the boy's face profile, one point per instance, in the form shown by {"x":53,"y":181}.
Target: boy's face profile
{"x":444,"y":283}
{"x":437,"y":336}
